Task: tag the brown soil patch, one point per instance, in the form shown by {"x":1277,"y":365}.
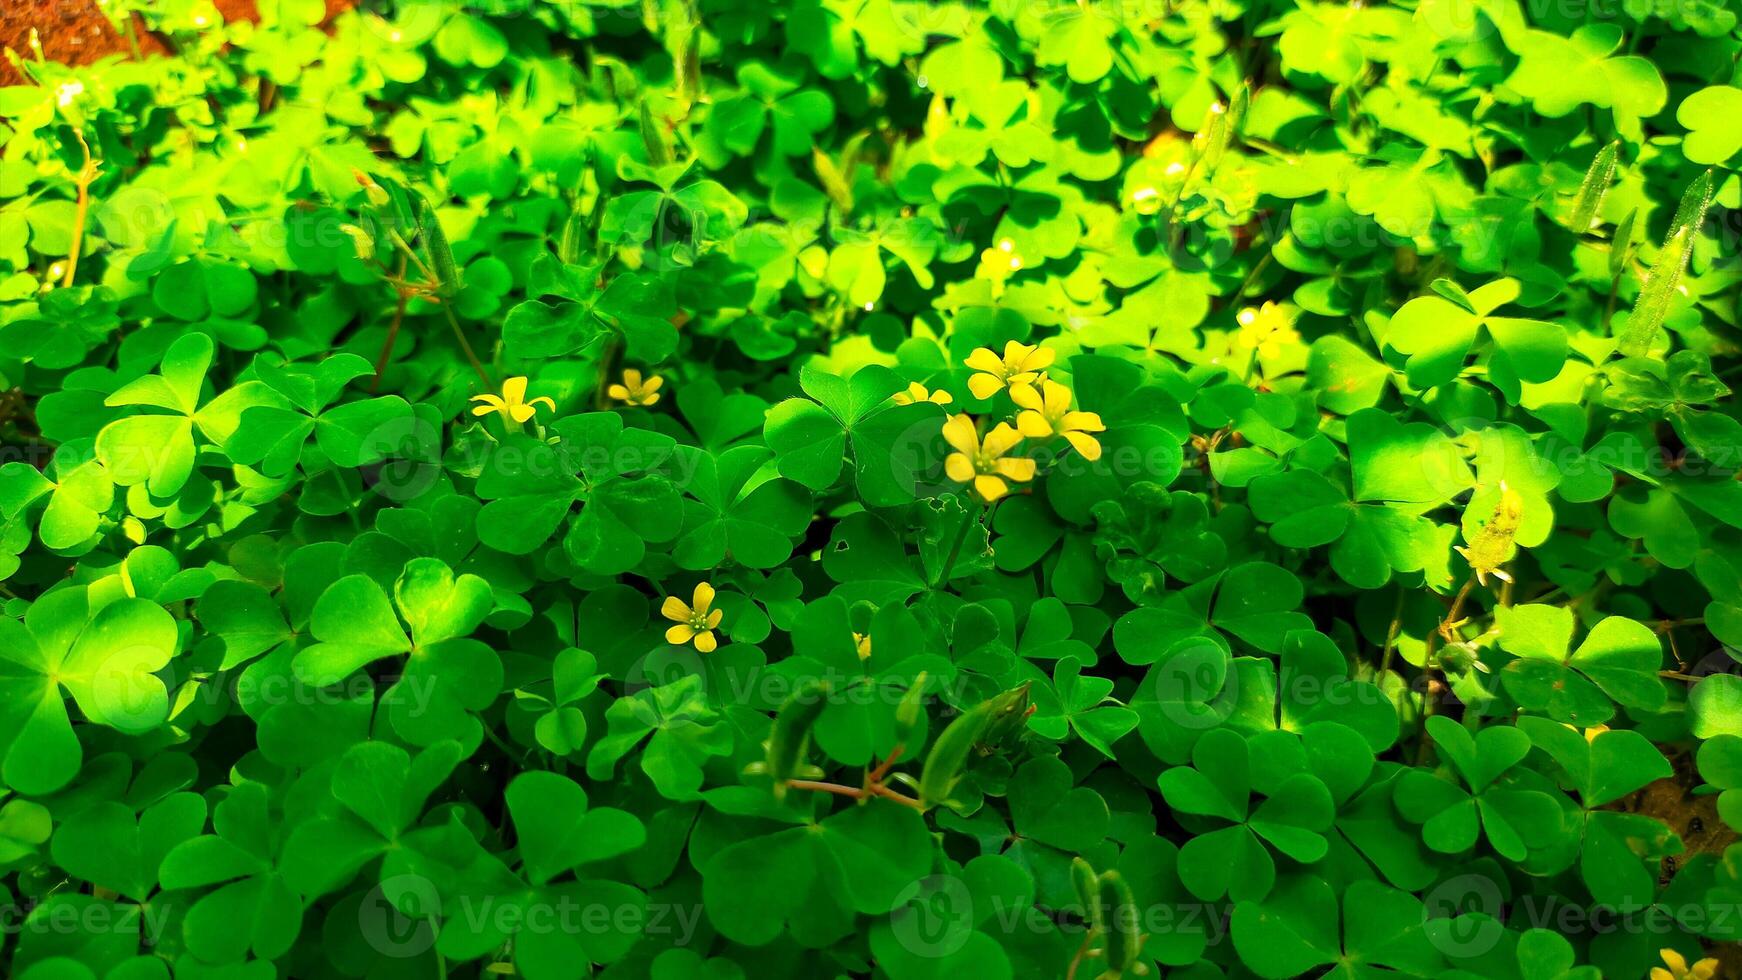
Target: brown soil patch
{"x":1695,"y":820}
{"x":75,"y":32}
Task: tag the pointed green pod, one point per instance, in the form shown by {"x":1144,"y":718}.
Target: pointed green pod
{"x":658,"y":147}
{"x":1118,"y":912}
{"x":435,"y":241}
{"x":1597,"y":180}
{"x":986,"y":724}
{"x":1621,"y":245}
{"x":1088,"y":887}
{"x":790,"y":735}
{"x":909,"y":711}
{"x":1007,"y":714}
{"x":949,"y":755}
{"x":1654,"y":301}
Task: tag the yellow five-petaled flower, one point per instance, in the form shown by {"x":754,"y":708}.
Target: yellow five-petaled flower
{"x":1267,"y":330}
{"x":695,"y":621}
{"x":632,"y":390}
{"x":985,"y":463}
{"x":917,"y":393}
{"x":1020,"y":365}
{"x":1047,"y":412}
{"x":511,"y":404}
{"x":1679,"y":969}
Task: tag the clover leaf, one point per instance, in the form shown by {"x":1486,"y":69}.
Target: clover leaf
{"x":106,"y":660}
{"x":445,"y":675}
{"x":1235,"y":860}
{"x":1616,"y":663}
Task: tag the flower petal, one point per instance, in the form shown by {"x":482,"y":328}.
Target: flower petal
{"x":1020,"y":470}
{"x":985,"y":385}
{"x":1058,"y":397}
{"x":674,"y":609}
{"x":514,"y":390}
{"x":1001,"y":439}
{"x":983,"y":359}
{"x":1033,"y":425}
{"x":680,"y":633}
{"x":1086,"y":446}
{"x":1083,"y":422}
{"x":714,"y":618}
{"x":618,"y":392}
{"x":990,"y":488}
{"x":959,"y":433}
{"x":1025,"y":396}
{"x":704,"y":597}
{"x":705,"y":642}
{"x":958,"y":467}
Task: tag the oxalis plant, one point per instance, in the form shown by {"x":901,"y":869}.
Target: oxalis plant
{"x":877,"y":488}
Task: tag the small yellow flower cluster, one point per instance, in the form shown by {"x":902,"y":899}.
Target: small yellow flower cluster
{"x":998,"y":264}
{"x":1044,"y":412}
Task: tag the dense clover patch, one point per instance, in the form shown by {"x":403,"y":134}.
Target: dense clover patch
{"x":882,"y":488}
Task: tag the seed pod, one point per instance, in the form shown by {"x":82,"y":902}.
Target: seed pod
{"x":1088,"y":892}
{"x":986,"y":724}
{"x":436,"y":241}
{"x":1652,"y":307}
{"x":1621,"y":245}
{"x":1597,"y":180}
{"x":1119,"y":915}
{"x":949,"y":755}
{"x":1006,"y":716}
{"x":790,"y":735}
{"x":658,"y":148}
{"x":833,"y":181}
{"x":910,"y":710}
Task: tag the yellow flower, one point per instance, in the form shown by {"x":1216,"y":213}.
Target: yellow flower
{"x":862,"y":644}
{"x":1020,"y":365}
{"x":999,"y":264}
{"x":1679,"y":969}
{"x":511,"y":404}
{"x":917,"y":392}
{"x":1267,"y":329}
{"x":634,"y":391}
{"x":694,"y":620}
{"x":984,"y":463}
{"x":1048,"y":413}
